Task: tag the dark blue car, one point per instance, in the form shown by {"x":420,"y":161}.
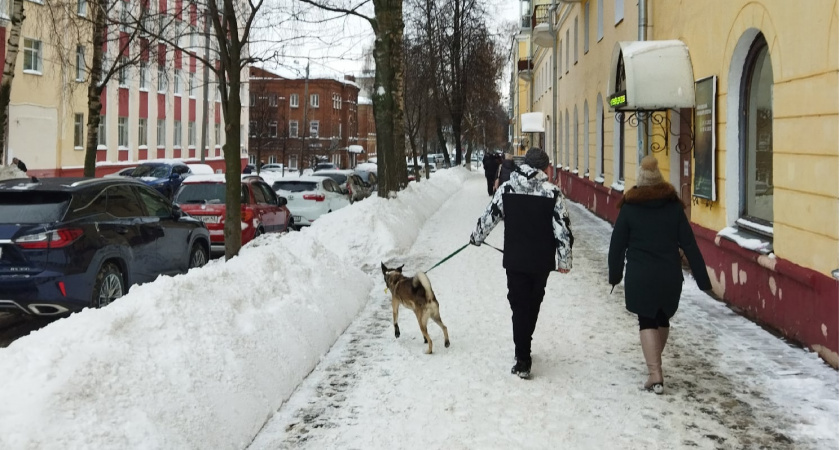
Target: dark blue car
{"x":71,"y":243}
{"x":163,"y":176}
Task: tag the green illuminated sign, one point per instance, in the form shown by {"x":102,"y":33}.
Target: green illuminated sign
{"x":618,"y":99}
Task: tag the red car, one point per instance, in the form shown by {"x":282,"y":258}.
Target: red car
{"x":263,"y":211}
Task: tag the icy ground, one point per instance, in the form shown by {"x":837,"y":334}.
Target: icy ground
{"x":729,"y":384}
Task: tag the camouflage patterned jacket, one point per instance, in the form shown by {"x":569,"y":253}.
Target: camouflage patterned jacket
{"x":538,"y":233}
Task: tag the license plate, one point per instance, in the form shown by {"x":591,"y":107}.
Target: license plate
{"x":210,"y":219}
{"x":296,"y":218}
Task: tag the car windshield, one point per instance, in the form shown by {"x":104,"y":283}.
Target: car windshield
{"x":33,"y":207}
{"x":201,"y":193}
{"x":339,"y":178}
{"x":294,"y":186}
{"x":156,"y":171}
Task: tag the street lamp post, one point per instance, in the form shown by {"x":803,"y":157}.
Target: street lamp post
{"x":305,"y":111}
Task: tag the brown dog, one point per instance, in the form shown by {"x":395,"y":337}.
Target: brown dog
{"x":416,"y":294}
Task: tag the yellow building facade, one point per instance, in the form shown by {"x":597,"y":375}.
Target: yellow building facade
{"x":754,"y":152}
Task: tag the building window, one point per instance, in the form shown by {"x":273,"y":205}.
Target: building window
{"x":142,"y":132}
{"x":32,"y":61}
{"x":79,"y":130}
{"x":599,"y":138}
{"x":757,"y":134}
{"x":191,"y":86}
{"x":122,"y":75}
{"x":313,"y":128}
{"x":191,"y":133}
{"x":161,"y":133}
{"x":122,"y":131}
{"x":218,"y":134}
{"x":81,"y":7}
{"x":272,"y":129}
{"x":293,"y":128}
{"x":294,"y":101}
{"x":144,"y":76}
{"x":619,"y":11}
{"x":576,"y":40}
{"x":586,"y":138}
{"x":252,"y":126}
{"x":124,"y":20}
{"x":566,"y":142}
{"x":161,"y":79}
{"x":568,"y":50}
{"x":272,"y":100}
{"x":177,"y":87}
{"x":336,"y":101}
{"x":586,"y":28}
{"x":600,"y":20}
{"x":253,"y":100}
{"x":313,"y":100}
{"x":293,"y":162}
{"x":177,"y":135}
{"x":102,"y":138}
{"x":80,"y":63}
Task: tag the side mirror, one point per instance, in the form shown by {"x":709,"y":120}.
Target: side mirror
{"x":281,"y":201}
{"x":174,"y":176}
{"x":177,"y":212}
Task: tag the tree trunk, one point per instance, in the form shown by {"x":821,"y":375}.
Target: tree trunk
{"x":95,"y":86}
{"x":233,"y":163}
{"x":12,"y":50}
{"x":388,"y":96}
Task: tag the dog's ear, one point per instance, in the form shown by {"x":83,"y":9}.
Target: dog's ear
{"x":399,"y":269}
{"x":384,"y":269}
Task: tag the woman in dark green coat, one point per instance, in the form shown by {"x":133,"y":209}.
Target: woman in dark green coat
{"x":650,"y":229}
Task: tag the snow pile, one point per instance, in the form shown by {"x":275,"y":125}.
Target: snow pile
{"x":11,"y":172}
{"x":201,"y":360}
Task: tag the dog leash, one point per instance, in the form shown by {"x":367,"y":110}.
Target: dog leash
{"x":494,"y":248}
{"x":450,"y":255}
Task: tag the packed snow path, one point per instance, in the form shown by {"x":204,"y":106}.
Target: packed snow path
{"x":729,"y":384}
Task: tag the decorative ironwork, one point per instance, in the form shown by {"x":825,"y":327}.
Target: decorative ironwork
{"x":656,"y":125}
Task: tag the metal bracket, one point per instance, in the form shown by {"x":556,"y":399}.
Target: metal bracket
{"x":657,"y":124}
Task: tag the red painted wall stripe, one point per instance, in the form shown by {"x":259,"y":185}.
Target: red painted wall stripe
{"x":178,"y":58}
{"x":123,"y":43}
{"x":192,"y":110}
{"x":122,"y":109}
{"x":177,"y":108}
{"x":179,"y":8}
{"x":103,"y":98}
{"x":193,"y":14}
{"x":192,"y":62}
{"x":144,"y":105}
{"x":161,"y":106}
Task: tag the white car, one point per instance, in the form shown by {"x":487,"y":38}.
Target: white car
{"x":309,"y":197}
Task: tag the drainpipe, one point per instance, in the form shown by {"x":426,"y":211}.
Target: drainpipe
{"x":551,"y":13}
{"x":643,"y":140}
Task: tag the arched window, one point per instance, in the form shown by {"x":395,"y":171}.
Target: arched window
{"x":757,"y":134}
{"x":586,"y":138}
{"x":576,"y":141}
{"x":566,"y":139}
{"x":599,"y":138}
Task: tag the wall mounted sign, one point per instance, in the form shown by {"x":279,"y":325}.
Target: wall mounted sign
{"x":705,"y":97}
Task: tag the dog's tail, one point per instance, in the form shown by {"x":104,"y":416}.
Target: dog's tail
{"x":427,"y":285}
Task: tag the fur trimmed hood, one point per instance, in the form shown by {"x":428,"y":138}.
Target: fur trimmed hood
{"x":662,"y":192}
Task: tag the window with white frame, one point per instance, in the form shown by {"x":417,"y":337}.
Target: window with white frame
{"x":102,"y":138}
{"x":79,"y":130}
{"x":124,"y":19}
{"x":757,"y":136}
{"x":336,"y":101}
{"x":80,"y":63}
{"x":293,"y":128}
{"x":161,"y":133}
{"x":32,"y":57}
{"x":599,"y":139}
{"x":177,"y":80}
{"x":143,"y":132}
{"x":600,"y":21}
{"x":619,"y":11}
{"x":272,"y":159}
{"x":122,"y":131}
{"x":272,"y":129}
{"x":314,"y":125}
{"x":144,"y":75}
{"x":191,"y":85}
{"x":272,"y":100}
{"x":122,"y":74}
{"x":293,"y":162}
{"x":575,"y":141}
{"x":252,"y":127}
{"x":161,"y":78}
{"x":177,"y":134}
{"x":576,"y":39}
{"x":191,"y":133}
{"x":586,"y":138}
{"x":314,"y":100}
{"x":253,"y":100}
{"x":81,"y":7}
{"x":218,"y":134}
{"x":586,"y":28}
{"x":294,"y":101}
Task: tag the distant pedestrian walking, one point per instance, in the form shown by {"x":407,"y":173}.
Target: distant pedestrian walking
{"x":505,"y":169}
{"x":538,"y":240}
{"x":20,"y":165}
{"x":650,"y":229}
{"x":491,"y":165}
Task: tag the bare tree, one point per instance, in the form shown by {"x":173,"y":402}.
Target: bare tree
{"x":12,"y":50}
{"x":263,"y":117}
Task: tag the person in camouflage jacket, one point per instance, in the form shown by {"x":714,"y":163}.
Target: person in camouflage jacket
{"x":538,"y":241}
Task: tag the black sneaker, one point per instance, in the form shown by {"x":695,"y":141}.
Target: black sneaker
{"x":522,"y":368}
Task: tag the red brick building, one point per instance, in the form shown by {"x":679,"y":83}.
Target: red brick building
{"x":367,"y":129}
{"x":279,"y":132}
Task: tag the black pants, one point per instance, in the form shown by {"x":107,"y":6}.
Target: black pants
{"x":490,"y":182}
{"x":660,"y":321}
{"x":525,"y":294}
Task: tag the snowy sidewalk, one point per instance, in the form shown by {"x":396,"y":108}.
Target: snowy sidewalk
{"x":729,"y":384}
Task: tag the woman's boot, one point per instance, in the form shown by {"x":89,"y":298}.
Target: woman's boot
{"x":652,"y":351}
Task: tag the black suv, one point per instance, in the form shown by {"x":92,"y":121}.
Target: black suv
{"x":70,"y":243}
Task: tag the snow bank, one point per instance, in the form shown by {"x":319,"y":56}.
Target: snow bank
{"x":11,"y":172}
{"x":201,"y":360}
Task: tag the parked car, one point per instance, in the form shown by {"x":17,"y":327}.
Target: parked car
{"x":201,"y":169}
{"x":324,"y":166}
{"x":164,"y":176}
{"x":310,"y":197}
{"x":272,"y":167}
{"x":351,"y":184}
{"x":203,"y":197}
{"x":369,"y":177}
{"x":123,"y":172}
{"x":71,"y":243}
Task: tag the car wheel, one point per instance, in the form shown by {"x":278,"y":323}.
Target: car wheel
{"x":108,"y":286}
{"x":198,"y":256}
{"x":291,"y":225}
